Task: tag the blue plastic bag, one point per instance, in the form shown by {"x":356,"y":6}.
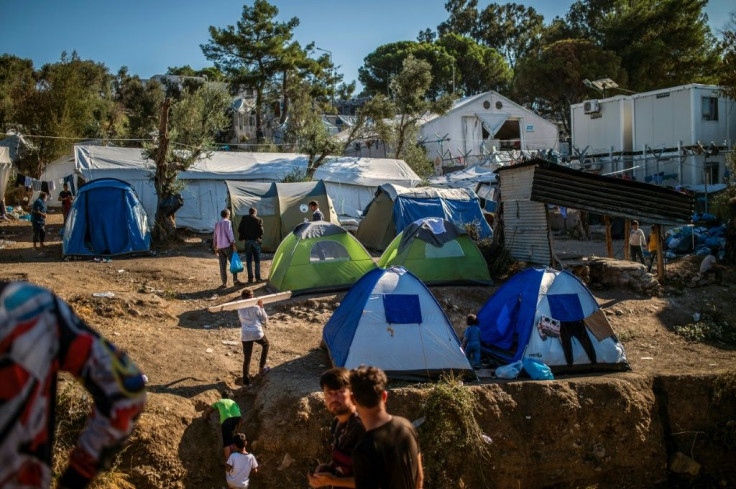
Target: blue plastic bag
{"x":537,"y":370}
{"x":236,"y":265}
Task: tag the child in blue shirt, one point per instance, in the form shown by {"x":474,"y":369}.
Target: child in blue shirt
{"x":471,"y":341}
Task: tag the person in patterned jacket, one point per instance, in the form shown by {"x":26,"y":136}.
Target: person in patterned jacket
{"x":39,"y":336}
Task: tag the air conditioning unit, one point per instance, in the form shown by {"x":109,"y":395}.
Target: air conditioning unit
{"x":591,"y":107}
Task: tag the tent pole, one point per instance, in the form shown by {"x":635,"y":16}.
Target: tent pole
{"x":609,"y":241}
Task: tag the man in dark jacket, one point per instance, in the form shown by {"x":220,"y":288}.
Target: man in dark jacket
{"x":250,"y":231}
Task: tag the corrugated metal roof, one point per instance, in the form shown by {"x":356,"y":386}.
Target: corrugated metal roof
{"x":525,"y":231}
{"x":558,"y":185}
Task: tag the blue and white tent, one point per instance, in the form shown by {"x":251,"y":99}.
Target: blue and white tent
{"x":549,"y":316}
{"x":389,"y":319}
{"x":106,"y":219}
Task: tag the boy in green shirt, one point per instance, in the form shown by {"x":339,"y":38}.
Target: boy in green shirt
{"x":229,"y":419}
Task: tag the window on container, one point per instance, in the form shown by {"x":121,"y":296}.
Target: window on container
{"x":328,"y":251}
{"x":710,"y":108}
{"x":711,"y":172}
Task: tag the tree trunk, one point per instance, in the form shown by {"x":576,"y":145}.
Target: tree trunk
{"x":285,"y":108}
{"x":165,"y":226}
{"x":259,"y":114}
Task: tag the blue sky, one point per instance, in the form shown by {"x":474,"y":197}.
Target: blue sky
{"x":150,"y":35}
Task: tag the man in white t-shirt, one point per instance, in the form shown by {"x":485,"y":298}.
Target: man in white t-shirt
{"x":637,"y":241}
{"x":710,"y":265}
{"x":240,"y":464}
{"x":252,"y":320}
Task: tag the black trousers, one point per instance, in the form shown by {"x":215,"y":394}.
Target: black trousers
{"x":575,"y":329}
{"x":248,"y":353}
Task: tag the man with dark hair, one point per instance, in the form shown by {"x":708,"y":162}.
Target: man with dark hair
{"x":250,"y":230}
{"x":38,"y":220}
{"x":252,"y":321}
{"x":637,"y":241}
{"x":240,"y":464}
{"x":347,"y":430}
{"x":709,"y":266}
{"x":39,"y":336}
{"x":316,"y":213}
{"x":229,"y":413}
{"x":388,"y":456}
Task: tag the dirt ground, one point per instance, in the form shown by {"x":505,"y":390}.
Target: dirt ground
{"x":159,"y":315}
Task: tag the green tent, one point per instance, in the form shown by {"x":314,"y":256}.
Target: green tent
{"x":319,"y":256}
{"x":282,"y":206}
{"x":438,"y":252}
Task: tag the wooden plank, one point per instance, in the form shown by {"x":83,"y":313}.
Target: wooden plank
{"x":609,"y":240}
{"x":235,"y":305}
{"x":660,"y":253}
{"x":627,"y":230}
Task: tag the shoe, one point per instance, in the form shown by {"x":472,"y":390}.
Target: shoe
{"x":238,"y":282}
{"x":250,"y":280}
{"x":223,"y":286}
{"x":266,"y":369}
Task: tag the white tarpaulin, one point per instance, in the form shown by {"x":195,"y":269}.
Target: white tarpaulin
{"x":205,"y":193}
{"x":492,"y":121}
{"x":5,"y":166}
{"x":352,"y":182}
{"x":467,"y":178}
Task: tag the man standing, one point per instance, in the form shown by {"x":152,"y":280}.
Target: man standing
{"x":38,"y":220}
{"x":223,"y":243}
{"x":388,"y":456}
{"x":66,"y":197}
{"x":39,"y":336}
{"x":252,"y":320}
{"x":347,"y":430}
{"x":250,"y":231}
{"x":316,"y":213}
{"x":637,"y":240}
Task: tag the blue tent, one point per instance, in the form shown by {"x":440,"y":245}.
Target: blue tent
{"x":389,"y":319}
{"x":394,"y":208}
{"x":106,"y":219}
{"x":549,"y":316}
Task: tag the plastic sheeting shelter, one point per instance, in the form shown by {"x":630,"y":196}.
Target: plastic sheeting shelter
{"x":352,"y":182}
{"x":205,"y":193}
{"x":515,"y":323}
{"x":438,"y":252}
{"x":390,"y":319}
{"x":318,"y":256}
{"x":282,"y":206}
{"x":393,"y":208}
{"x":106,"y":219}
{"x":5,"y":167}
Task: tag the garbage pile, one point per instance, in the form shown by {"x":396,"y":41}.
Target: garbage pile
{"x":708,"y":232}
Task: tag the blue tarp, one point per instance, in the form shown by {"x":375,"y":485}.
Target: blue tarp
{"x":106,"y":219}
{"x":460,"y":212}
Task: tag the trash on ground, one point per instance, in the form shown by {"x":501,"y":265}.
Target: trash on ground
{"x":109,"y":295}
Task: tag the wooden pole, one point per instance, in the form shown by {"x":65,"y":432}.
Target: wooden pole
{"x":627,"y":230}
{"x":243,"y":303}
{"x":609,"y":240}
{"x":660,"y":252}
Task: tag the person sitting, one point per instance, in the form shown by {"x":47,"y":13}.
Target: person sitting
{"x":709,"y":266}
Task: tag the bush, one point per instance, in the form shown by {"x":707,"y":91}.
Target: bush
{"x":451,"y":439}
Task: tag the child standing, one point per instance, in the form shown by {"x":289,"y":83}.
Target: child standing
{"x":240,"y":464}
{"x":471,"y":341}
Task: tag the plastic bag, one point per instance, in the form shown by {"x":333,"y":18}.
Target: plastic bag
{"x":510,"y":371}
{"x":537,"y":370}
{"x":236,"y":265}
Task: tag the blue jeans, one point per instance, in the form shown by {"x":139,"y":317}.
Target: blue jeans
{"x":472,"y":351}
{"x":253,"y":254}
